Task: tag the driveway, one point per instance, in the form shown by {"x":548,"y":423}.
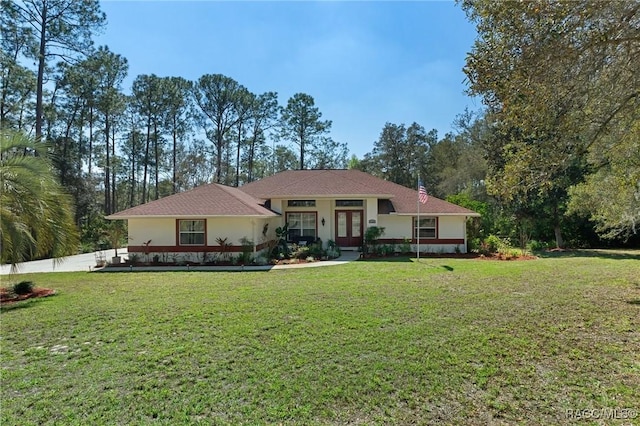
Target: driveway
{"x":87,"y":262}
{"x":81,"y":262}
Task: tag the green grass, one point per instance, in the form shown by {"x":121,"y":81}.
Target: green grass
{"x":444,"y":341}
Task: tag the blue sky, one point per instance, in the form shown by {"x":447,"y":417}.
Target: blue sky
{"x":364,"y":62}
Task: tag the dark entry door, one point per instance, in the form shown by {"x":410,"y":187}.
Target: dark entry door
{"x":349,"y":228}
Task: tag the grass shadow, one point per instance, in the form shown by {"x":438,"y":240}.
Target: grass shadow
{"x":170,"y":269}
{"x":634,"y":302}
{"x":21,"y":304}
{"x":390,"y":259}
{"x":431,"y":265}
{"x":599,"y":253}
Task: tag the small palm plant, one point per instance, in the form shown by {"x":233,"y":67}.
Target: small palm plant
{"x":36,"y":215}
{"x":116,"y":233}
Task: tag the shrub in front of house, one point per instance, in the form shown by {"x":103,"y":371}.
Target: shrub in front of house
{"x":490,"y":245}
{"x":23,"y":287}
{"x":535,"y":245}
{"x":260,"y":260}
{"x":300,"y":252}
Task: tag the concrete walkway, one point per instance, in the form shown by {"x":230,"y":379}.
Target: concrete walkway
{"x":87,"y":262}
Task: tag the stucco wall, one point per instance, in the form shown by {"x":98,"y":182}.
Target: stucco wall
{"x":371,"y":213}
{"x":163,"y":245}
{"x":162,"y":232}
{"x":234,"y":229}
{"x":395,"y":226}
{"x":451,"y":227}
{"x":324,"y":208}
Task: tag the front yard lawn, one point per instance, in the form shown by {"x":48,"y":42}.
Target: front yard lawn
{"x":443,"y":341}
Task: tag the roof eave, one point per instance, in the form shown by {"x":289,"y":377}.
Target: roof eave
{"x":468,"y":214}
{"x":188,"y":216}
{"x":325,"y":196}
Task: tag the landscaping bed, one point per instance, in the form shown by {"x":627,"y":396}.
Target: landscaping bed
{"x":7,"y":295}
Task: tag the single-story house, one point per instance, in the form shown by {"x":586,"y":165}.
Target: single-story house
{"x":333,"y":205}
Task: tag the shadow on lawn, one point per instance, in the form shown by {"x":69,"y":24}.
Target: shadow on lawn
{"x":600,"y":253}
{"x":445,"y":267}
{"x":404,"y":259}
{"x":394,"y":259}
{"x":20,"y":304}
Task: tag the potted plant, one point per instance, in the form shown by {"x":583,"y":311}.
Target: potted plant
{"x":116,"y":233}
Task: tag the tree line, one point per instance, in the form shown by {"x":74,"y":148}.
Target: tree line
{"x":114,"y":149}
{"x":554,"y":154}
{"x":561,"y":83}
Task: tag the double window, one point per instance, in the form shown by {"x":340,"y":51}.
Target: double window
{"x":302,"y":224}
{"x":427,"y":228}
{"x":191,"y":232}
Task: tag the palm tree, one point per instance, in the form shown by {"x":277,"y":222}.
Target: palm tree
{"x":36,"y":215}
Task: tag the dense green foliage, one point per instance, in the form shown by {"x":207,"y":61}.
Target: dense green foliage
{"x":23,"y":287}
{"x":560,"y":80}
{"x":36,"y":215}
{"x":443,"y":341}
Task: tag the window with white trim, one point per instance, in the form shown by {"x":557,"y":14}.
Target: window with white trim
{"x":427,"y":228}
{"x":301,"y":224}
{"x":191,"y":232}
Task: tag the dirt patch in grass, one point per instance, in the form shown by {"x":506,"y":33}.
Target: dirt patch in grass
{"x":8,"y":296}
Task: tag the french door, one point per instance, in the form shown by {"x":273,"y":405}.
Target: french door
{"x":349,"y":228}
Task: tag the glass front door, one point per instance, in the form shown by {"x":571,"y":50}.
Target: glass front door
{"x":349,"y":228}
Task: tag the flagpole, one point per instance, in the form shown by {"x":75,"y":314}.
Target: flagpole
{"x":418,"y":222}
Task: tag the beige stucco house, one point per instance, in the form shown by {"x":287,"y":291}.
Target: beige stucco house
{"x":328,"y":204}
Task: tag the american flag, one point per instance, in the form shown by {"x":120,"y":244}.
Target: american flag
{"x":422,"y":193}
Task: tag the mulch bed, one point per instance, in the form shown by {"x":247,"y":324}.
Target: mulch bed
{"x":7,"y":296}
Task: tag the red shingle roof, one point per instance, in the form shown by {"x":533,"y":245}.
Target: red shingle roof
{"x":348,"y":183}
{"x":248,"y":200}
{"x":316,"y":183}
{"x":207,"y":200}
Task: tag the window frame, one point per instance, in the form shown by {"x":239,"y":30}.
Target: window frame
{"x":341,"y":204}
{"x":288,"y":221}
{"x":417,"y":229}
{"x":180,"y":232}
{"x":301,"y":203}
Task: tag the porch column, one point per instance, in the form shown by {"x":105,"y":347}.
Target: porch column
{"x":371,"y":212}
{"x":253,"y":235}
